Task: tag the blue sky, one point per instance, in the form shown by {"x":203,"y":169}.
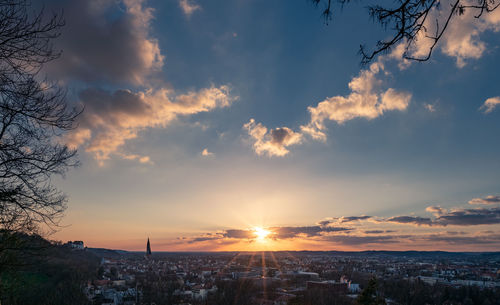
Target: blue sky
{"x":169,"y":84}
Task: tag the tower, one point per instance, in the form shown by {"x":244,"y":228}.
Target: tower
{"x":148,"y":249}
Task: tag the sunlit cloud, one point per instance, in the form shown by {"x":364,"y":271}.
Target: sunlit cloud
{"x":461,"y":41}
{"x":430,"y":107}
{"x":490,"y":104}
{"x":112,"y":118}
{"x":141,"y":159}
{"x":108,"y":54}
{"x":206,"y":153}
{"x":436,"y":210}
{"x":189,"y":7}
{"x":367,"y":100}
{"x":491,"y":199}
{"x":376,"y":231}
{"x":272,"y":142}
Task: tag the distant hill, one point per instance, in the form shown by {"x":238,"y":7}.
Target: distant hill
{"x":109,"y":253}
{"x":37,"y":271}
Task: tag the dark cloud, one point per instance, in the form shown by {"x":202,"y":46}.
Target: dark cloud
{"x":427,"y":238}
{"x":324,"y":231}
{"x":463,"y":240}
{"x":105,"y":40}
{"x":360,"y":240}
{"x":276,"y":233}
{"x":343,"y":219}
{"x":327,"y":221}
{"x":455,"y":233}
{"x":309,"y":231}
{"x":458,"y":217}
{"x":378,"y":231}
{"x":470,"y":217}
{"x":240,"y":234}
{"x":281,"y":136}
{"x":353,"y":218}
{"x":416,"y":220}
{"x":205,"y":237}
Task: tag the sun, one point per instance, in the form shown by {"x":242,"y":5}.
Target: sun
{"x":261,"y":233}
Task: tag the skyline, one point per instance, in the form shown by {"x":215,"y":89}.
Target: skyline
{"x":205,"y":123}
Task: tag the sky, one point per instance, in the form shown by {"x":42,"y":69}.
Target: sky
{"x":252,"y":125}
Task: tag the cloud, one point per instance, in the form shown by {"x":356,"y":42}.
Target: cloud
{"x":188,"y":7}
{"x":416,"y":220}
{"x":470,"y":217}
{"x":206,"y":153}
{"x":378,"y":231}
{"x":462,"y":240}
{"x":141,"y":159}
{"x":97,"y":47}
{"x":366,"y":100}
{"x":272,"y":142}
{"x":206,"y":237}
{"x":486,"y":200}
{"x":307,"y":231}
{"x":490,"y":104}
{"x":362,"y":240}
{"x":461,"y":39}
{"x":436,"y":210}
{"x":277,"y":233}
{"x":112,"y":118}
{"x":111,"y":56}
{"x":430,"y":107}
{"x":239,"y":234}
{"x":324,"y":232}
{"x":458,"y":217}
{"x":353,"y":218}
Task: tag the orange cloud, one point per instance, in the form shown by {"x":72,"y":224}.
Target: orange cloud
{"x":110,"y":119}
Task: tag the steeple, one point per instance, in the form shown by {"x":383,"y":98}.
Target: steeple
{"x":148,"y":249}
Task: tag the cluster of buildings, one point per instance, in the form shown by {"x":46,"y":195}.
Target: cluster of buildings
{"x":276,"y":277}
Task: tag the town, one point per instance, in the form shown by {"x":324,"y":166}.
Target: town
{"x":279,"y":278}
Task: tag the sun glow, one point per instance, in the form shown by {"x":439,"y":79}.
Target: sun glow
{"x":261,"y":233}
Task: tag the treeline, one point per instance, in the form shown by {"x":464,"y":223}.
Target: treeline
{"x":420,"y":293}
{"x":36,"y":271}
{"x":402,"y":291}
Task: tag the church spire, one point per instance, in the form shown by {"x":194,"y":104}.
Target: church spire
{"x":148,"y":248}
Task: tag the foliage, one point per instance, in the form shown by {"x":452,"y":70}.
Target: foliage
{"x":56,"y":275}
{"x":369,"y":295}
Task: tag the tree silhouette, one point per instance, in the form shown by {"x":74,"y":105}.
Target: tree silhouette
{"x":369,"y":294}
{"x":33,"y":116}
{"x":411,"y":20}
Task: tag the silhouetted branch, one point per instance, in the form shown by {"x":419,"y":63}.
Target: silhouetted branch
{"x":33,"y":114}
{"x":409,"y":21}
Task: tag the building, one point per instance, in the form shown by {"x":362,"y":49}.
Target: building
{"x":77,"y":244}
{"x":332,"y":286}
{"x":148,"y":249}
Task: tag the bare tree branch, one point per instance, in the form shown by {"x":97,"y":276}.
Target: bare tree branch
{"x":409,"y":19}
{"x":33,"y":115}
